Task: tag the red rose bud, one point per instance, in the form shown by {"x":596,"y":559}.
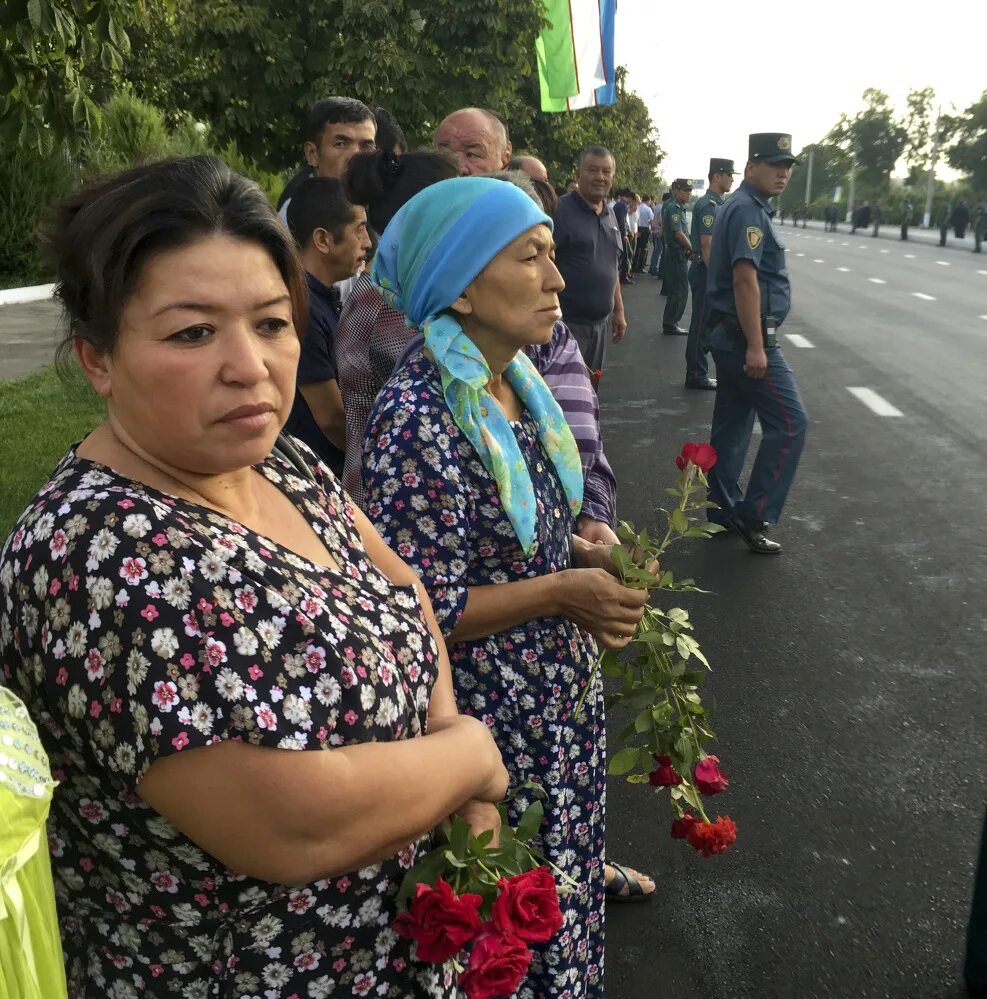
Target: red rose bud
{"x":681,"y":827}
{"x":664,"y":775}
{"x":710,"y":838}
{"x":441,"y":921}
{"x":703,"y":456}
{"x":527,"y":906}
{"x":497,"y":966}
{"x":708,"y":776}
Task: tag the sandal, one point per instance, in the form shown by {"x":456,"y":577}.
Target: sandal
{"x":622,"y":877}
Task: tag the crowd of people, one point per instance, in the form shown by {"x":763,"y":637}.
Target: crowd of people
{"x":338,"y":562}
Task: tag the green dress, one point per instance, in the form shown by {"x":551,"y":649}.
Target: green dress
{"x":31,"y":965}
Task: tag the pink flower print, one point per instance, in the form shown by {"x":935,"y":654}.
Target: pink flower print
{"x":95,"y":709}
{"x":202,"y":899}
{"x":165,"y":695}
{"x":308,"y":961}
{"x":300,"y":902}
{"x":348,"y":676}
{"x":180,"y":741}
{"x":362,"y":984}
{"x":86,"y":864}
{"x":339,"y":964}
{"x":156,"y":970}
{"x":165,"y":881}
{"x":125,"y":504}
{"x":214,"y":654}
{"x":322,"y":734}
{"x":160,"y":539}
{"x":315,"y":659}
{"x":116,"y":705}
{"x":351,"y":717}
{"x":149,"y":613}
{"x":255,"y":672}
{"x":92,"y":811}
{"x":59,"y":543}
{"x":133,"y":570}
{"x":266,"y":718}
{"x":117,"y":900}
{"x":158,"y":911}
{"x":343,"y":883}
{"x":187,"y":660}
{"x":398,"y":964}
{"x":54,"y":587}
{"x":204,"y":605}
{"x":225,"y":619}
{"x":62,"y":677}
{"x":74,"y":583}
{"x":246,"y":599}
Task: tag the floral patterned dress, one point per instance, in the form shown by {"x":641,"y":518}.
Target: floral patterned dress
{"x":135,"y":625}
{"x":429,"y":495}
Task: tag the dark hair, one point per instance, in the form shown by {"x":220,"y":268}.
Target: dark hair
{"x":103,"y":234}
{"x":389,"y":132}
{"x":319,"y":203}
{"x":594,"y":151}
{"x":546,"y":194}
{"x":384,"y":182}
{"x":332,"y":111}
{"x":666,"y":195}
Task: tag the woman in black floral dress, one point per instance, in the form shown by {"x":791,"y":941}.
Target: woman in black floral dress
{"x":175,"y":587}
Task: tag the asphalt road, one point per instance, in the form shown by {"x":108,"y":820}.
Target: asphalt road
{"x":849,"y":679}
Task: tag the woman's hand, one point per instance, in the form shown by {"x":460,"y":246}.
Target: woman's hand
{"x":600,"y":556}
{"x":481,"y":816}
{"x":597,"y":602}
{"x":481,"y":749}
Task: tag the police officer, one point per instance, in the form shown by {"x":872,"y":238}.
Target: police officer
{"x":721,"y":175}
{"x":678,"y":253}
{"x":906,"y":219}
{"x":944,"y":217}
{"x":979,"y":226}
{"x":748,"y":297}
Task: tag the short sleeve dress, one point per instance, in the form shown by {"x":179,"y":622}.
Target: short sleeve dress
{"x":135,"y":625}
{"x":434,"y":503}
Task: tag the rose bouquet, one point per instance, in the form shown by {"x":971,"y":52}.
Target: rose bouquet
{"x":480,"y":905}
{"x":660,"y":671}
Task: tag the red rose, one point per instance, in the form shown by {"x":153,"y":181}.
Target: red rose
{"x":710,"y":838}
{"x":527,"y":906}
{"x":681,"y":827}
{"x":708,"y":776}
{"x":703,"y":456}
{"x":664,"y":775}
{"x":497,"y":966}
{"x":441,"y":921}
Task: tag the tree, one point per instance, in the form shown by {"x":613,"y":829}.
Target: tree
{"x":873,"y":137}
{"x":251,"y":68}
{"x":920,"y":125}
{"x":625,"y":128}
{"x":968,"y":151}
{"x":45,"y":46}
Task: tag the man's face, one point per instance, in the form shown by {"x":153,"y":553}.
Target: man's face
{"x":682,"y":195}
{"x":595,"y":177}
{"x":349,"y":251}
{"x":474,"y":141}
{"x":724,"y":179}
{"x":770,"y":179}
{"x":338,"y":144}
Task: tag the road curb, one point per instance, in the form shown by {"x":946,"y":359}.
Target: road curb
{"x":21,"y":296}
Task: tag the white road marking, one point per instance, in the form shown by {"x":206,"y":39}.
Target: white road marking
{"x":863,"y":246}
{"x":874,"y":402}
{"x":885,"y":251}
{"x":983,"y":317}
{"x":877,"y":280}
{"x":909,"y":256}
{"x":797,"y":340}
{"x":943,"y":263}
{"x":844,"y":244}
{"x":982,"y":272}
{"x":846,"y":270}
{"x":799,"y":254}
{"x":818,"y":261}
{"x":924,"y":297}
{"x":829,"y":241}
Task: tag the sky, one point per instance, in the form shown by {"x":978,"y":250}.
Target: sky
{"x":791,"y":67}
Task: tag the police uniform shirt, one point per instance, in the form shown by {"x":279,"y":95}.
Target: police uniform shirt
{"x":703,"y":216}
{"x":673,"y":219}
{"x":742,"y":230}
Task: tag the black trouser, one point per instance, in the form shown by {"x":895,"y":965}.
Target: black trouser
{"x":676,"y":285}
{"x":641,"y":253}
{"x":975,"y":968}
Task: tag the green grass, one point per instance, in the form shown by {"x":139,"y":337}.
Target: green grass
{"x":40,"y":416}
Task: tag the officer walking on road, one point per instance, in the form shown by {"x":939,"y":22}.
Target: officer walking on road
{"x":748,"y":298}
{"x":979,"y":226}
{"x":721,"y":174}
{"x":678,"y":253}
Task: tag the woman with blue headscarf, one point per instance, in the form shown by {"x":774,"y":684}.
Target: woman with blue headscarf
{"x":472,"y":474}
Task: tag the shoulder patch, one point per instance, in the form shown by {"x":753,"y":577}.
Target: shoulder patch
{"x":707,"y":220}
{"x":754,"y":237}
{"x":675,"y":216}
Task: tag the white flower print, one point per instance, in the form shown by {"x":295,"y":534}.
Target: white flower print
{"x":75,"y":639}
{"x":229,"y":684}
{"x":164,"y":642}
{"x":245,"y":642}
{"x":296,"y":710}
{"x":136,"y":525}
{"x":100,"y":592}
{"x":212,"y":566}
{"x":133,"y":570}
{"x":266,"y":718}
{"x":269,"y":631}
{"x":203,"y":718}
{"x":76,"y":701}
{"x":165,"y":695}
{"x":177,"y":593}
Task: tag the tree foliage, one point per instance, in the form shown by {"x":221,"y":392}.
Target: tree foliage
{"x":873,"y":136}
{"x":45,"y":48}
{"x":968,"y":151}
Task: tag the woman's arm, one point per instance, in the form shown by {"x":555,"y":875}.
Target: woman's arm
{"x":294,"y":817}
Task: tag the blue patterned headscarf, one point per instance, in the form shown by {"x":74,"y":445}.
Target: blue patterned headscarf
{"x":429,"y":253}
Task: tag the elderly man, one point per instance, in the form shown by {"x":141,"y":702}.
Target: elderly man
{"x":476,"y":139}
{"x":531,"y":165}
{"x":588,"y":246}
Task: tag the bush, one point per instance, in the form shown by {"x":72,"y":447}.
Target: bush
{"x":28,"y":185}
{"x":133,"y":132}
{"x":270,"y":183}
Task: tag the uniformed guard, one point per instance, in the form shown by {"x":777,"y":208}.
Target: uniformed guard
{"x":979,"y":226}
{"x":748,"y":297}
{"x":721,"y":174}
{"x":878,"y":219}
{"x":906,"y":219}
{"x":944,"y":217}
{"x":678,"y":253}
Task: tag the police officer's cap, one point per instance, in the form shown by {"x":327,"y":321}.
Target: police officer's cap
{"x":770,"y":147}
{"x":681,"y":184}
{"x":721,"y":166}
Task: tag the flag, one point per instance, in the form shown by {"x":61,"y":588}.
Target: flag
{"x":575,"y":55}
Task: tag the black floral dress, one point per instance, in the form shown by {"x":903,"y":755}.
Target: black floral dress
{"x":434,"y":503}
{"x":135,"y":625}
